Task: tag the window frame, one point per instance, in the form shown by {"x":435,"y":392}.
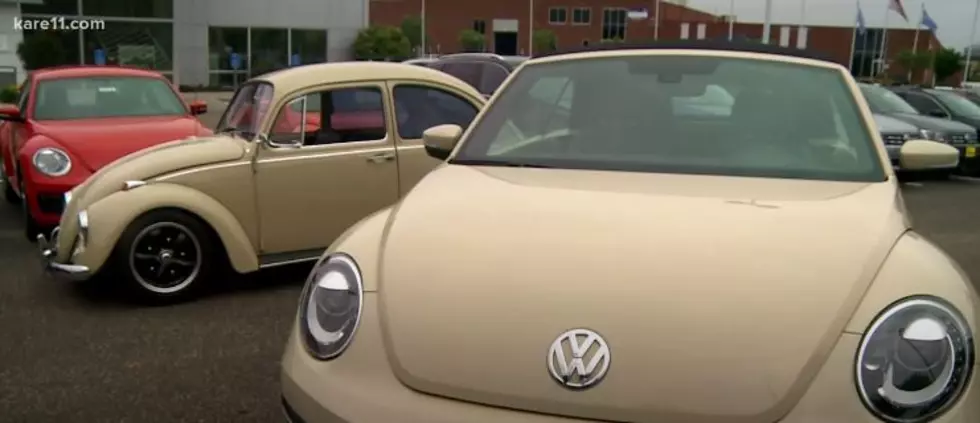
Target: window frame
{"x":585,"y":13}
{"x":480,"y":25}
{"x":611,"y":25}
{"x":285,"y":102}
{"x":560,"y":12}
{"x":473,"y":103}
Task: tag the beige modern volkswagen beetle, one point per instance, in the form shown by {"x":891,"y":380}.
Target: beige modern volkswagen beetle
{"x":603,"y":244}
{"x":299,"y":156}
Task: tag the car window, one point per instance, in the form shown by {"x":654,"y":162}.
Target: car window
{"x":883,"y":100}
{"x":958,"y":104}
{"x":924,"y":104}
{"x":332,"y":117}
{"x":247,"y":109}
{"x":493,"y":76}
{"x":469,"y":72}
{"x":716,"y":101}
{"x":418,"y":108}
{"x":100,"y":97}
{"x":786,"y":120}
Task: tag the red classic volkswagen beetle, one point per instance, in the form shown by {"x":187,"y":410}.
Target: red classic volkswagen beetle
{"x":71,"y":121}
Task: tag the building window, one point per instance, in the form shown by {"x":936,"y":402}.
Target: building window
{"x":614,"y":24}
{"x":147,"y":45}
{"x":480,"y":26}
{"x":51,"y":7}
{"x":269,"y":51}
{"x":557,"y":15}
{"x":307,"y":46}
{"x":581,"y":16}
{"x":160,"y":9}
{"x":69,"y":53}
{"x":223,"y":43}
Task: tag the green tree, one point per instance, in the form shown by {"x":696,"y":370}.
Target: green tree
{"x":41,"y":49}
{"x":412,"y":28}
{"x":545,"y":41}
{"x":913,"y":61}
{"x":378,"y":42}
{"x":946,"y":63}
{"x":471,"y":41}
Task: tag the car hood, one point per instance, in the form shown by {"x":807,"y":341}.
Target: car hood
{"x":98,"y":142}
{"x":933,"y":123}
{"x":164,"y":158}
{"x":719,"y":297}
{"x":891,"y":125}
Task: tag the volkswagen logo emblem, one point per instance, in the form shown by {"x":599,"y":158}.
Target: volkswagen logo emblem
{"x":579,"y":359}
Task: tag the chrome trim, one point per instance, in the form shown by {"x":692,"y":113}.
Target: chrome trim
{"x":48,"y":252}
{"x":67,"y":197}
{"x":128,"y":185}
{"x":288,"y":262}
{"x":83,"y":220}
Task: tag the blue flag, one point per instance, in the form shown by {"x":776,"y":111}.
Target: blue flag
{"x":860,"y":21}
{"x":927,"y":21}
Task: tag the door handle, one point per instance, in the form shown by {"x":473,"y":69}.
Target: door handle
{"x":381,"y":157}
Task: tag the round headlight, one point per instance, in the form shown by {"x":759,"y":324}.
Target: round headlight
{"x":331,"y":306}
{"x":915,"y":360}
{"x":52,"y":161}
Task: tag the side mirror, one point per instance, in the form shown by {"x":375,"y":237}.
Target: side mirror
{"x":439,"y":141}
{"x":938,"y":113}
{"x":199,"y":107}
{"x":925,"y":155}
{"x":11,"y":113}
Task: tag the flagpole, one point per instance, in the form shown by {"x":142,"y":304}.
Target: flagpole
{"x":731,"y":20}
{"x":423,"y":30}
{"x":854,"y":36}
{"x":915,"y":39}
{"x":530,"y":29}
{"x":802,"y":27}
{"x":768,"y":22}
{"x":882,"y":57}
{"x":656,"y":22}
{"x":969,"y":48}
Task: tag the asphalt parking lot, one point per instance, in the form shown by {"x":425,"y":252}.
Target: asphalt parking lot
{"x":79,"y":355}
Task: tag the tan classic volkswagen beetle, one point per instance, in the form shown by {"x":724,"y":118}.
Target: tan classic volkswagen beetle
{"x":605,"y":244}
{"x":299,"y":155}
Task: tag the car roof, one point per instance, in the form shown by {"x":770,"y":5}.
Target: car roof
{"x":78,"y":71}
{"x":479,"y":57}
{"x":295,"y":78}
{"x":712,"y":47}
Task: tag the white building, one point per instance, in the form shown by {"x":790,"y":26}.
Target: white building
{"x":199,"y":39}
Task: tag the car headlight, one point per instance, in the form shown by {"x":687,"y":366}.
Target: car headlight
{"x":331,"y":306}
{"x":52,"y":161}
{"x":915,"y":360}
{"x":932,"y":135}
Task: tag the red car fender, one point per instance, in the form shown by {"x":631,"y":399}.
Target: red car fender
{"x":26,"y":154}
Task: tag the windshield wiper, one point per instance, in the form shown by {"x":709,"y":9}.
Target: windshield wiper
{"x":500,"y":163}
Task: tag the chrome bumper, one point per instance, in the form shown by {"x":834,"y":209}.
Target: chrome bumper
{"x":48,"y":251}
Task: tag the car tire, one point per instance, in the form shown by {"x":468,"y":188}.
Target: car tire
{"x":164,"y":256}
{"x":31,"y":228}
{"x":8,"y":190}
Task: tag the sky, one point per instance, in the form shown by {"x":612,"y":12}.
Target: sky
{"x":953,"y":17}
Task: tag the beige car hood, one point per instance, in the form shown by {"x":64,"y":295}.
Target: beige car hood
{"x":719,"y":297}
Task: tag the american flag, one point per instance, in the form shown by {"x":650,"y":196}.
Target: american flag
{"x":896,"y":5}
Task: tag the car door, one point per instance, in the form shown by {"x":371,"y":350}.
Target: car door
{"x":343,"y":169}
{"x":420,"y":106}
{"x":926,"y":105}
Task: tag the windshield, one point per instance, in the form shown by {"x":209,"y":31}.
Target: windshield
{"x":103,"y":97}
{"x":882,"y":100}
{"x":247,"y":109}
{"x":960,"y":105}
{"x":678,"y":114}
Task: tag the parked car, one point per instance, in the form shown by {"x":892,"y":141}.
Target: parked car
{"x":165,"y":220}
{"x":885,"y":103}
{"x":71,"y":121}
{"x":484,"y":71}
{"x":942,"y":104}
{"x":627,"y":264}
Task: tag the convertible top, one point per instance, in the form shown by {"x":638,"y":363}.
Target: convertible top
{"x":714,"y":45}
